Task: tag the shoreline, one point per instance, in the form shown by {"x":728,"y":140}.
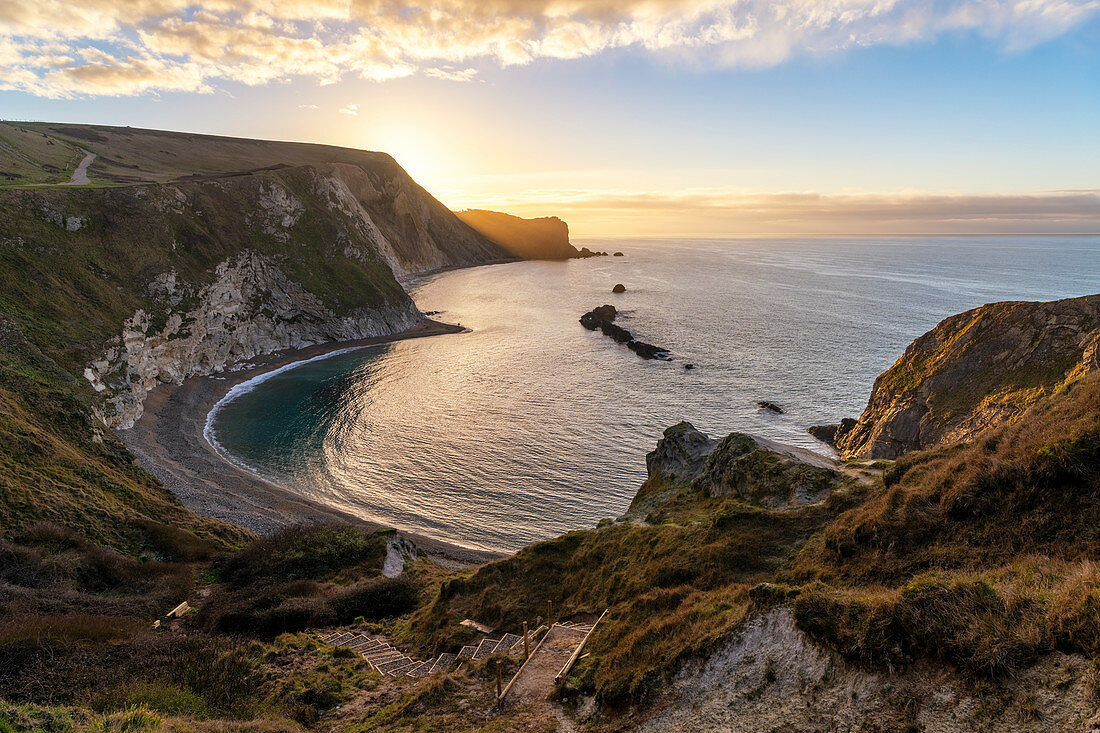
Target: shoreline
{"x":170,"y":442}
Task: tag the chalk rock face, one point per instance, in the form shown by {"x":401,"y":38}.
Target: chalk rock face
{"x":251,"y":308}
{"x":681,"y":454}
{"x":976,"y":370}
{"x":220,"y":270}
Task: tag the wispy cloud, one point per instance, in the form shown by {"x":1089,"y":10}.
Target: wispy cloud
{"x":720,"y":211}
{"x":451,"y":74}
{"x":307,"y":106}
{"x":351,"y":109}
{"x":64,"y":48}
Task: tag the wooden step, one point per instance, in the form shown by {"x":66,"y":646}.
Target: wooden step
{"x":333,"y":639}
{"x":506,"y":643}
{"x":485,"y":648}
{"x":420,"y":669}
{"x":444,"y":662}
{"x":382,"y":658}
{"x":467,"y":652}
{"x":397,"y":666}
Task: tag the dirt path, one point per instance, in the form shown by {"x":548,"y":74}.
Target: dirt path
{"x":535,"y":681}
{"x":80,"y":175}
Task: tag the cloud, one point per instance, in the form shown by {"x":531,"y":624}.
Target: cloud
{"x":351,"y":109}
{"x":451,"y":74}
{"x":307,"y":106}
{"x":65,"y":48}
{"x":719,"y":211}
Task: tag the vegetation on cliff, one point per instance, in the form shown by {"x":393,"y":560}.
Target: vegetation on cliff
{"x":975,"y":370}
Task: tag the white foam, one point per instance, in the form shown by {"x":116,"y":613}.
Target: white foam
{"x":247,"y":386}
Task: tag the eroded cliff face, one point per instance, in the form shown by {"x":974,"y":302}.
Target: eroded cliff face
{"x":978,"y":369}
{"x":251,"y":308}
{"x":143,"y":284}
{"x":771,"y":676}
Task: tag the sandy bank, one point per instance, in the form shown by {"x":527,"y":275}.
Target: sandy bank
{"x":168,"y":440}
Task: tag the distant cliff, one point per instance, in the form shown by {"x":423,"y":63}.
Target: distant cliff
{"x":975,"y":370}
{"x":546,"y":238}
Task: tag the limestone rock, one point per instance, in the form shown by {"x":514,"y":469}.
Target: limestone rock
{"x":766,"y":473}
{"x":975,"y":370}
{"x":681,"y":454}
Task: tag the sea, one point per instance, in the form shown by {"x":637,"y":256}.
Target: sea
{"x":527,"y":425}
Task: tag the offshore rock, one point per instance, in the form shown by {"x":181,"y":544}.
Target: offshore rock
{"x":620,"y":288}
{"x":603,"y":317}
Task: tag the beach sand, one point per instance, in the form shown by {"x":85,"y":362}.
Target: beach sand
{"x":168,"y":440}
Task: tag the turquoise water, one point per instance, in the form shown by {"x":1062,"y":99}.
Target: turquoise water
{"x":528,"y":425}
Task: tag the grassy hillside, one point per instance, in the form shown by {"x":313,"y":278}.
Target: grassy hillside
{"x":46,"y":152}
{"x":980,"y":556}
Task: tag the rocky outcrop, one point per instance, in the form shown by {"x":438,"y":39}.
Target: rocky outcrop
{"x":680,"y":454}
{"x":975,"y":370}
{"x":545,"y":238}
{"x":832,"y":434}
{"x":251,"y":308}
{"x":769,"y":675}
{"x":620,"y":288}
{"x":765,"y":473}
{"x":753,"y":469}
{"x":603,"y":317}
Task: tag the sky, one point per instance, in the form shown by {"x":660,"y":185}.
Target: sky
{"x":625,"y":117}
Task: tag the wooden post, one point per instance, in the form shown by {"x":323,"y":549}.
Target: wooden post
{"x":526,"y":643}
{"x":549,"y":613}
{"x":500,"y":687}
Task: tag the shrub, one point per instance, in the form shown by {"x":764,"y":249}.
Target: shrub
{"x":376,"y":599}
{"x":305,"y":552}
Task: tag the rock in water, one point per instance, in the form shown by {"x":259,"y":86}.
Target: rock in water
{"x":618,"y":254}
{"x":689,"y":366}
{"x":602,"y":318}
{"x":764,"y":404}
{"x":681,"y":454}
{"x":620,"y":288}
{"x":831,"y":434}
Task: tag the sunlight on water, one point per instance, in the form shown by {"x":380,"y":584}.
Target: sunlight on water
{"x":529,"y":425}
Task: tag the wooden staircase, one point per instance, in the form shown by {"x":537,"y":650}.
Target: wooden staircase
{"x":392,"y":662}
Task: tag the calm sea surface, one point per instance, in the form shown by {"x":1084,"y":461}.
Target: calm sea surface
{"x":529,"y":425}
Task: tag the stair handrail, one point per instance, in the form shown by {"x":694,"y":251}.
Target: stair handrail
{"x":577,"y":652}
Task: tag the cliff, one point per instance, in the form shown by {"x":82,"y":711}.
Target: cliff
{"x":134,"y":285}
{"x":975,"y":370}
{"x":185,"y":255}
{"x":545,"y":238}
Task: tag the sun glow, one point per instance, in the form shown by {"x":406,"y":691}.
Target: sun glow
{"x":419,"y":151}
